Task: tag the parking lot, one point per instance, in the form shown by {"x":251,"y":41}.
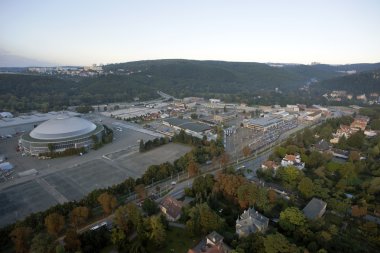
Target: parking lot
{"x":71,"y":178}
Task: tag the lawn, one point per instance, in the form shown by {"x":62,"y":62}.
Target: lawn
{"x":178,"y":240}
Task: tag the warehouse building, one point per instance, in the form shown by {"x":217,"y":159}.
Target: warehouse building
{"x":25,"y":123}
{"x":191,"y":127}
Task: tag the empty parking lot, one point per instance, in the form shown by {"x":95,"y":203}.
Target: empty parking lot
{"x":74,"y":182}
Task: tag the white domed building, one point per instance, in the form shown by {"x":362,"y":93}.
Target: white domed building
{"x":61,"y":133}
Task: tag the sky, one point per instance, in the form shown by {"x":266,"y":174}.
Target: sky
{"x":83,"y":32}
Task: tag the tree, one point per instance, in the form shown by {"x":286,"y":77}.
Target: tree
{"x":246,"y":151}
{"x":150,"y":206}
{"x":137,"y":247}
{"x":291,"y":218}
{"x":247,"y":195}
{"x":121,"y":219}
{"x":277,"y":243}
{"x":72,"y":242}
{"x":306,"y":187}
{"x":141,"y":191}
{"x":288,"y":175}
{"x":142,"y":146}
{"x":108,"y":202}
{"x":133,"y":214}
{"x":356,"y":140}
{"x":272,"y":196}
{"x":203,"y":219}
{"x":119,"y":239}
{"x":60,"y":249}
{"x":224,"y":160}
{"x":354,"y":156}
{"x":20,"y":237}
{"x":326,"y":132}
{"x":315,"y":160}
{"x":79,"y":215}
{"x":375,"y":124}
{"x":192,"y":168}
{"x":42,"y":243}
{"x":157,"y":233}
{"x":54,"y":223}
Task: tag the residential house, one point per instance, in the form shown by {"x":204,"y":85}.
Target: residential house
{"x":272,"y":165}
{"x":315,"y":209}
{"x":340,"y":153}
{"x":251,"y":221}
{"x":172,"y":208}
{"x":360,"y":122}
{"x":212,"y":243}
{"x":322,"y":146}
{"x":293,"y":160}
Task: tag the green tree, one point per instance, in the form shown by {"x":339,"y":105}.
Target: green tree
{"x":314,"y":160}
{"x":203,"y":219}
{"x":291,"y":219}
{"x":306,"y":187}
{"x":119,"y":238}
{"x":134,"y":214}
{"x":277,"y":243}
{"x":288,"y":175}
{"x":326,"y":132}
{"x":121,"y":219}
{"x":42,"y":243}
{"x":356,"y":140}
{"x":375,"y":124}
{"x":150,"y":206}
{"x":157,"y":233}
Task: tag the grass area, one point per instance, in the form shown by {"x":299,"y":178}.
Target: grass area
{"x":178,"y":240}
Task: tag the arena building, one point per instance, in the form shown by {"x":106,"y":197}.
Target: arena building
{"x":60,"y":133}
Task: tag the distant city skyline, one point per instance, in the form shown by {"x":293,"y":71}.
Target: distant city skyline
{"x":49,"y":33}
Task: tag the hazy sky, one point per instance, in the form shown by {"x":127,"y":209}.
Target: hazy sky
{"x":80,"y":32}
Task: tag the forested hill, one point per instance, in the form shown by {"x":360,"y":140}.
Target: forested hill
{"x":365,"y":82}
{"x":125,"y":81}
{"x":221,"y":77}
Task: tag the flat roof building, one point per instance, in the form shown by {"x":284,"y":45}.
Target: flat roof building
{"x":264,"y":124}
{"x":27,"y":122}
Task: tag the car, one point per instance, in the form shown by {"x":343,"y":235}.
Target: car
{"x":173,"y":183}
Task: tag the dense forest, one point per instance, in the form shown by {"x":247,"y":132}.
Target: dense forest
{"x":253,"y":83}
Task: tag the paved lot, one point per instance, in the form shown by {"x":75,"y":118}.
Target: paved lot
{"x":137,"y":163}
{"x":20,"y":200}
{"x":67,"y":179}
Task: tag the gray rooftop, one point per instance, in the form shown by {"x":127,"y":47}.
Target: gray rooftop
{"x":30,"y":119}
{"x":188,"y":124}
{"x":315,"y":208}
{"x":264,"y":122}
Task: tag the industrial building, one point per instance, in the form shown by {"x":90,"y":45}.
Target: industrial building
{"x":193,"y":128}
{"x":60,"y":133}
{"x":264,"y":124}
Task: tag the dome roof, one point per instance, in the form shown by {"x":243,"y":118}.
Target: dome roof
{"x":62,"y":127}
